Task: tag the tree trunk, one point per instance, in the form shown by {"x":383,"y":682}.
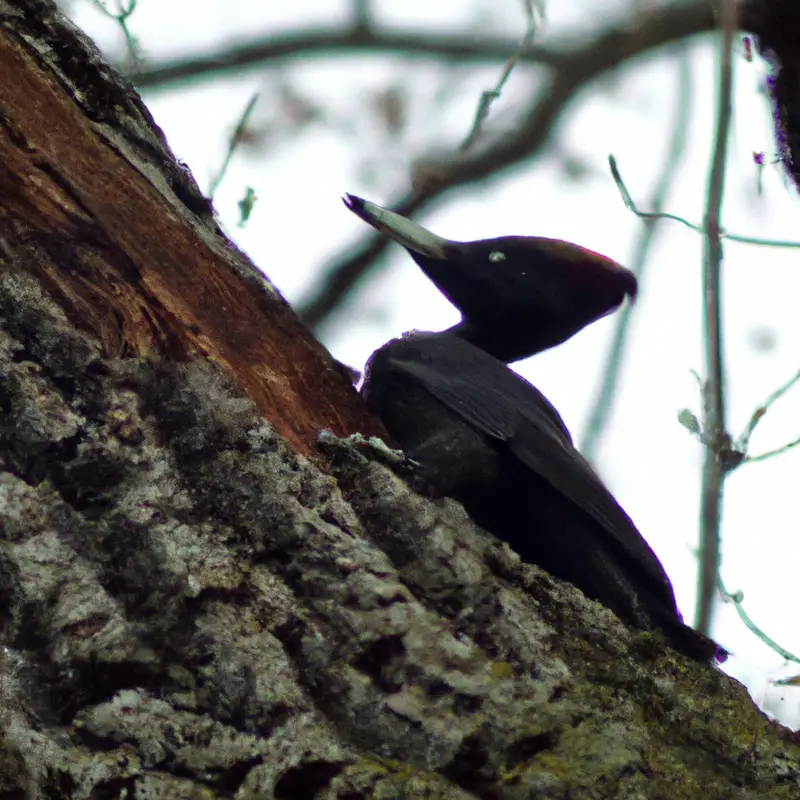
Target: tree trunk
{"x":195,"y":600}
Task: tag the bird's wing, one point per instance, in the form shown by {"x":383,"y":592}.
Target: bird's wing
{"x":507,"y":408}
{"x":483,"y":390}
{"x":566,"y":470}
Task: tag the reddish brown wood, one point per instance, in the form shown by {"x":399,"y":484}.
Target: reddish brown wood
{"x":88,"y":211}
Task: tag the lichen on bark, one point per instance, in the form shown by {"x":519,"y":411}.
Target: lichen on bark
{"x":191,"y":608}
{"x":196,"y":602}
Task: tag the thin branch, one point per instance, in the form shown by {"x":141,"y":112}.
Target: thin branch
{"x":737,"y":599}
{"x":601,"y":410}
{"x":714,"y":469}
{"x":121,"y":17}
{"x":734,"y":454}
{"x":596,"y":56}
{"x":362,"y":14}
{"x":657,"y":215}
{"x":659,"y":25}
{"x":265,"y":50}
{"x":234,"y":141}
{"x":743,"y":442}
{"x":488,"y":97}
{"x":771,"y":453}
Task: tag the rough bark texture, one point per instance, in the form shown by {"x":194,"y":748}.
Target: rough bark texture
{"x":191,"y":608}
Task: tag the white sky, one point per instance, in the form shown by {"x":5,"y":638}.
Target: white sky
{"x":299,"y":226}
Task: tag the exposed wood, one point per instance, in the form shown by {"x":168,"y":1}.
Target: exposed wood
{"x":95,"y":208}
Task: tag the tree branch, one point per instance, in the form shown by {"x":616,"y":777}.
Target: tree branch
{"x":601,"y":410}
{"x":488,"y":97}
{"x":656,"y":27}
{"x":717,"y":438}
{"x":192,"y":610}
{"x":261,"y":51}
{"x":583,"y":64}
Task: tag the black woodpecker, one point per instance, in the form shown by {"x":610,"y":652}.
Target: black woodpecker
{"x":488,"y":438}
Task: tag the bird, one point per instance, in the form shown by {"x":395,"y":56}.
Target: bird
{"x":518,"y":295}
{"x":488,"y":438}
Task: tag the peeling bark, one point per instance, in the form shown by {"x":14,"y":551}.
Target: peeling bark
{"x":189,"y":606}
{"x":97,"y":209}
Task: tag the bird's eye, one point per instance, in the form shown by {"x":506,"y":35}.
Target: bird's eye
{"x":497,"y":255}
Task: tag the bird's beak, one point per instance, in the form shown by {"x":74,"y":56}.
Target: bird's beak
{"x":400,"y":229}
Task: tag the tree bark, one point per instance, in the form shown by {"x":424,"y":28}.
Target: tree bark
{"x":195,"y":600}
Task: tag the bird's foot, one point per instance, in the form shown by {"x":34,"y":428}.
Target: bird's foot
{"x":373,"y":446}
{"x":378,"y":447}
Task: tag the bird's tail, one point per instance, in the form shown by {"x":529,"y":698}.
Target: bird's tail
{"x":694,"y":644}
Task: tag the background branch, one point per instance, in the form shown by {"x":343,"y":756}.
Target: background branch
{"x":737,"y":599}
{"x":488,"y":97}
{"x":743,"y":442}
{"x":527,"y":139}
{"x":717,"y":438}
{"x":233,"y":143}
{"x":575,"y":62}
{"x":757,"y":241}
{"x":601,"y":410}
{"x":655,"y":27}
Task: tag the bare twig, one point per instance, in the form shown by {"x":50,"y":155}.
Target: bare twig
{"x":743,"y":442}
{"x":736,"y":598}
{"x":233,"y":143}
{"x":121,"y":17}
{"x":718,"y":440}
{"x":262,"y":51}
{"x":488,"y":97}
{"x":601,"y":409}
{"x":657,"y":215}
{"x":362,"y":14}
{"x":580,"y":65}
{"x":734,"y":454}
{"x":660,"y":25}
{"x":771,"y":453}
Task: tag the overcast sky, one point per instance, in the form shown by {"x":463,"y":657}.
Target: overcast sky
{"x":299,"y":227}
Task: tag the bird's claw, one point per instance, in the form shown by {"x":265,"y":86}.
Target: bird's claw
{"x":371,"y":444}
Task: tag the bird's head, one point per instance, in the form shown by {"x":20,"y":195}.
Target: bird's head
{"x":517,"y":295}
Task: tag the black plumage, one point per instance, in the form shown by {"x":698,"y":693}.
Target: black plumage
{"x":518,"y":295}
{"x":491,"y":440}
